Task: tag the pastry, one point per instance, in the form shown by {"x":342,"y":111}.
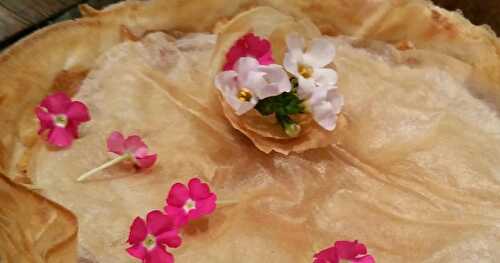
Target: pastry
{"x":411,"y":171}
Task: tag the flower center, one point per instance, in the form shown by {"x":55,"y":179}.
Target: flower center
{"x":150,"y":242}
{"x":61,"y":120}
{"x":189,"y":205}
{"x":305,"y":71}
{"x":244,"y":95}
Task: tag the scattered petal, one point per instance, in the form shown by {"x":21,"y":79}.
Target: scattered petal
{"x":158,"y":223}
{"x":159,"y":255}
{"x":60,"y":137}
{"x":56,"y":103}
{"x":190,"y":203}
{"x":138,"y":231}
{"x":78,"y":112}
{"x":148,"y":238}
{"x":45,"y":118}
{"x":178,"y":195}
{"x":133,"y":146}
{"x":350,"y":251}
{"x":137,"y":251}
{"x":61,"y":116}
{"x":116,"y":143}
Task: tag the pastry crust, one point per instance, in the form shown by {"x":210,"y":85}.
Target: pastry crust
{"x":29,"y":68}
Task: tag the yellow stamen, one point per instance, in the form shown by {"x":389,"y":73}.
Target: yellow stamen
{"x":305,"y":71}
{"x":244,"y":95}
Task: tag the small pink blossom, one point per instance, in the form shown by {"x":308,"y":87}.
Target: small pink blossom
{"x":190,"y":202}
{"x":132,"y":146}
{"x":249,"y":45}
{"x":61,"y":117}
{"x":149,"y":238}
{"x":344,"y":250}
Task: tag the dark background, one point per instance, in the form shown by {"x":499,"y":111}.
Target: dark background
{"x":21,"y":17}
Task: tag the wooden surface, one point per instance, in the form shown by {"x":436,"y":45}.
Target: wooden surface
{"x":20,"y":17}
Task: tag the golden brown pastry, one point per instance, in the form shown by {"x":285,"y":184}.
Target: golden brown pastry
{"x":414,"y":175}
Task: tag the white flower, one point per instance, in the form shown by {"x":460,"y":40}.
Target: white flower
{"x":309,"y":66}
{"x":317,"y":84}
{"x":324,"y":106}
{"x":249,"y":82}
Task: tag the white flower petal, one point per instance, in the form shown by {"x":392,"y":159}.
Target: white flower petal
{"x":291,"y":64}
{"x":324,"y":116}
{"x":325,"y":77}
{"x":276,"y":79}
{"x":243,"y":66}
{"x":227,"y":83}
{"x":241,"y":107}
{"x":337,"y":100}
{"x":306,"y":87}
{"x":295,"y":45}
{"x":255,"y":82}
{"x":320,"y":54}
{"x":325,"y":111}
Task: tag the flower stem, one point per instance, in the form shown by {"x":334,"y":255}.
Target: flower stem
{"x":227,"y":202}
{"x":290,"y":127}
{"x":103,"y":166}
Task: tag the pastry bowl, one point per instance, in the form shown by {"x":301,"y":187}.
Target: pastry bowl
{"x":411,"y":169}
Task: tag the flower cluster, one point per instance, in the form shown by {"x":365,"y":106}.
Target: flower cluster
{"x":344,"y":251}
{"x":251,"y":80}
{"x":150,"y":238}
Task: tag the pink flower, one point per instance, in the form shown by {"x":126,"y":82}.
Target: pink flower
{"x":190,"y":203}
{"x":344,"y":250}
{"x":132,"y":146}
{"x":149,"y":238}
{"x":61,"y":116}
{"x":249,"y":45}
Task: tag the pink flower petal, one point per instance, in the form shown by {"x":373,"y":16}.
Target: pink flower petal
{"x":158,"y":223}
{"x":159,"y":255}
{"x":60,"y":137}
{"x":133,"y":143}
{"x":203,"y":207}
{"x":349,"y":250}
{"x":116,"y":143}
{"x":198,"y":190}
{"x":45,"y":119}
{"x":232,"y":56}
{"x":178,"y":195}
{"x":328,"y":255}
{"x":56,"y":103}
{"x":138,"y":231}
{"x":146,"y":161}
{"x":181,"y":218}
{"x":364,"y":259}
{"x":78,"y":112}
{"x":169,"y":238}
{"x":249,"y":45}
{"x":137,"y":251}
{"x":72,"y":128}
{"x":266,"y":59}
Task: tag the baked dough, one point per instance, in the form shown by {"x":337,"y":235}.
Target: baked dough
{"x":414,"y":175}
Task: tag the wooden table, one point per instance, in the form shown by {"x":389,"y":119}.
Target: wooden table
{"x":20,"y":17}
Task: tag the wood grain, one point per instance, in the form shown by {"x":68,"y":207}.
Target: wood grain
{"x":19,"y":15}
